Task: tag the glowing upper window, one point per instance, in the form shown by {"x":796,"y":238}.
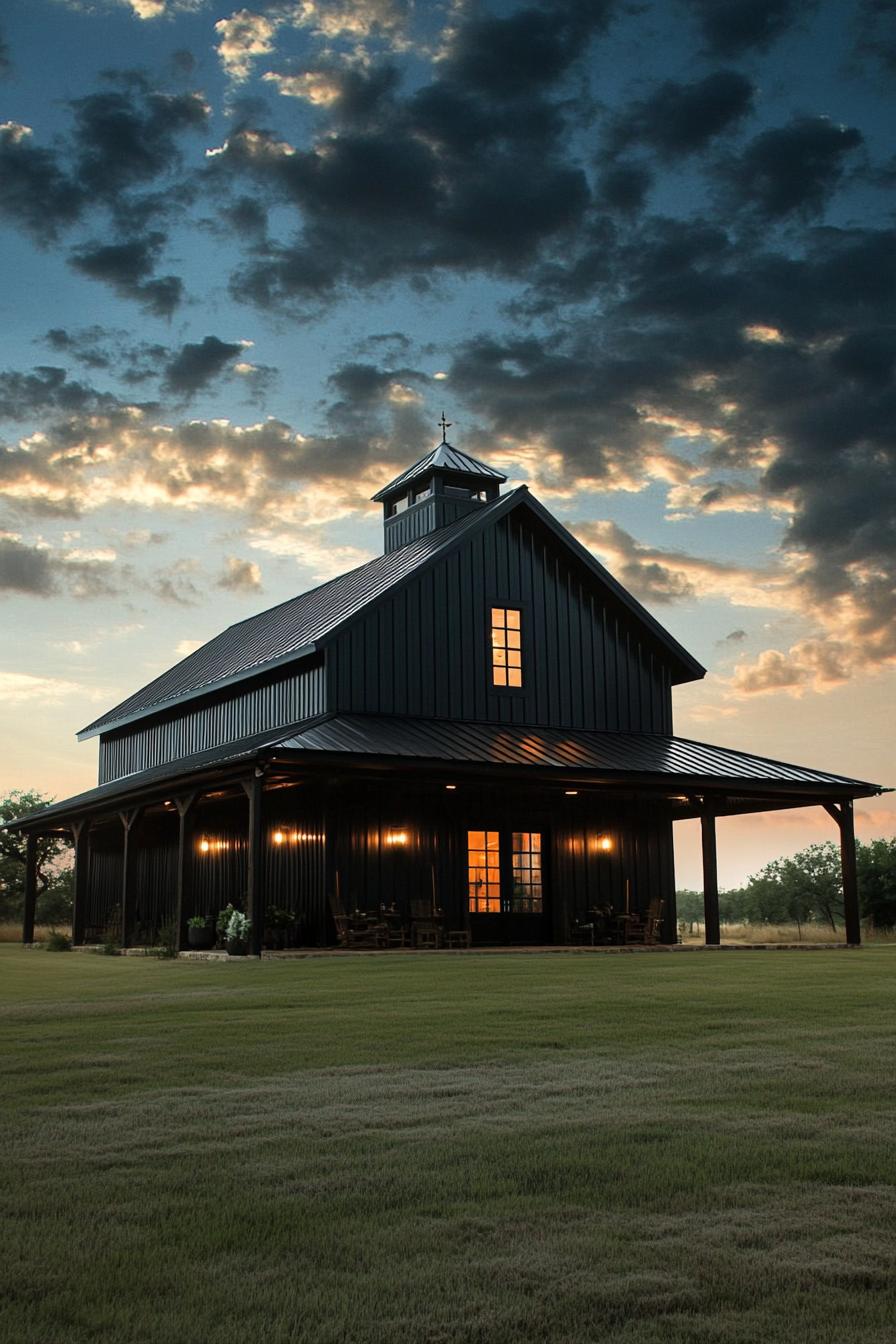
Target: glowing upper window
{"x":507,"y":652}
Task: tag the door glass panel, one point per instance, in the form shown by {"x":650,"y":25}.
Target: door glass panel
{"x":526,"y":898}
{"x":484,"y":872}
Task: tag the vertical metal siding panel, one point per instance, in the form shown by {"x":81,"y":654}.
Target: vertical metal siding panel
{"x":453,"y":655}
{"x":478,"y":671}
{"x":539,"y":632}
{"x":612,"y":716}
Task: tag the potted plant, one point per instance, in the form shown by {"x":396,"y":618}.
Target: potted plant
{"x":237,"y":934}
{"x":277,"y":923}
{"x":200,"y":932}
{"x":221,"y":923}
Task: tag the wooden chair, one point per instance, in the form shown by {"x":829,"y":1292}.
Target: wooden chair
{"x":645,"y":928}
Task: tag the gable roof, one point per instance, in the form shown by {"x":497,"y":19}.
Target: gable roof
{"x":446,"y":458}
{"x":297,"y":628}
{"x":284,"y":633}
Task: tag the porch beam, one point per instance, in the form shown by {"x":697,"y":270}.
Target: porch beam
{"x":30,"y":887}
{"x":81,"y":841}
{"x":712,"y":936}
{"x":844,"y":816}
{"x":128,"y":890}
{"x":185,"y":829}
{"x":255,"y":894}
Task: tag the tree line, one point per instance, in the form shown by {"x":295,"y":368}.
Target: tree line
{"x":807,"y":889}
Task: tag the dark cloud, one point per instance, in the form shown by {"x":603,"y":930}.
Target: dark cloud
{"x":779,"y":365}
{"x":197,"y":365}
{"x":679,"y":119}
{"x":25,"y":569}
{"x":177,"y":584}
{"x":41,"y":572}
{"x":109,"y":349}
{"x":793,"y":169}
{"x":120,"y":156}
{"x":35,"y":190}
{"x":623,"y":187}
{"x":734,"y":637}
{"x":129,"y":268}
{"x":240,"y":576}
{"x":532,"y":47}
{"x":437,"y":178}
{"x":876,"y":32}
{"x":127,"y":137}
{"x":46,"y":390}
{"x":732,"y":27}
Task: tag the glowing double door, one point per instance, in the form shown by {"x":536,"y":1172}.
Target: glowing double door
{"x":506,"y":891}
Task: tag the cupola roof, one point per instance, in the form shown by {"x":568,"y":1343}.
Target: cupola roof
{"x":445,"y":459}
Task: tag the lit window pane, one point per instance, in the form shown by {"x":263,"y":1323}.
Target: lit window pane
{"x":506,"y":647}
{"x":527,"y":889}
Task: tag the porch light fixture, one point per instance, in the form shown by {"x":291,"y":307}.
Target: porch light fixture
{"x":605,"y":843}
{"x":204,"y":845}
{"x":451,"y":787}
{"x":279,"y":837}
{"x":571,"y":793}
{"x":396,"y":837}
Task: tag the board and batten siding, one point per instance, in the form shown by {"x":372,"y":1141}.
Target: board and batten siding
{"x":273,"y":703}
{"x":587,"y":661}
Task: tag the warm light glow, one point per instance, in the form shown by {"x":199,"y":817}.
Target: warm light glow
{"x":605,"y":843}
{"x":204,"y":845}
{"x":507,"y":654}
{"x":571,"y":793}
{"x":450,"y":787}
{"x":279,"y":837}
{"x":396,"y":837}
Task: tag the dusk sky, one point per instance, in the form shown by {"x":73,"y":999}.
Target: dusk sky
{"x":643,"y":256}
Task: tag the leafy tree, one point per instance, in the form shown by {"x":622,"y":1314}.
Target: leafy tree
{"x":53,"y":882}
{"x":876,"y":864}
{"x":808,"y":888}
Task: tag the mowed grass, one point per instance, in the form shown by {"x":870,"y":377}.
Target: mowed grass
{"x":411,"y":1148}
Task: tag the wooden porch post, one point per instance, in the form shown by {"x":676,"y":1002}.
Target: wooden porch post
{"x":184,"y":807}
{"x":710,"y":878}
{"x":81,"y":837}
{"x":845,"y":819}
{"x":30,"y":887}
{"x":255,"y":894}
{"x":128,"y":893}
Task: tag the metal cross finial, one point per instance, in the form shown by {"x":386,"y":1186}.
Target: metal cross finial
{"x":446,"y":425}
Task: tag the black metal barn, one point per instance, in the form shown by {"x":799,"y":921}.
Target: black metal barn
{"x":477,"y":723}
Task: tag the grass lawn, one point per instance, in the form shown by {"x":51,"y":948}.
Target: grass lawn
{"x":534,"y":1148}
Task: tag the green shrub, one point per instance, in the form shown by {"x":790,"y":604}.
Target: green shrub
{"x":58,"y":942}
{"x":166,"y":945}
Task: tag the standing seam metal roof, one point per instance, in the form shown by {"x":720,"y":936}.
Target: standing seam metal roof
{"x":283,"y":631}
{"x":672,"y":761}
{"x":293,"y":628}
{"x":446,"y":458}
{"x":506,"y":744}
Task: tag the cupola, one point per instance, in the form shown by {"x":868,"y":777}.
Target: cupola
{"x":440,"y":488}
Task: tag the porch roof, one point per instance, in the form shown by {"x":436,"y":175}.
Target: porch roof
{"x":608,"y":753}
{"x":642,"y":760}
